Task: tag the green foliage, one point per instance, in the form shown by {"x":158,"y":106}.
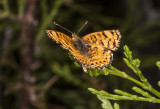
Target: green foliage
{"x":64,"y":72}
{"x":105,"y":102}
{"x":158,"y":64}
{"x":134,"y":65}
{"x":159,"y":83}
{"x":122,"y":95}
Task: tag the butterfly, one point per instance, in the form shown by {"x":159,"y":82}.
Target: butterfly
{"x":93,"y":50}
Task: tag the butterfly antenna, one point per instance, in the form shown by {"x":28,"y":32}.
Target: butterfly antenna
{"x":82,"y":27}
{"x":63,"y":27}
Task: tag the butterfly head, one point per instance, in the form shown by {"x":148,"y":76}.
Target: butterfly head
{"x":75,"y":37}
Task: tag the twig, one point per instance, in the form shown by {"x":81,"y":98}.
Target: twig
{"x":37,"y":99}
{"x":49,"y":84}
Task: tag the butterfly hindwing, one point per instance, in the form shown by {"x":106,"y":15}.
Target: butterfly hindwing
{"x":99,"y":57}
{"x":96,"y":57}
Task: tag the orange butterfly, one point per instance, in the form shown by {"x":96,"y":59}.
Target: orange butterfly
{"x":92,"y":50}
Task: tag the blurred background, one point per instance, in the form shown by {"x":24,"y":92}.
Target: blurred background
{"x":36,"y":73}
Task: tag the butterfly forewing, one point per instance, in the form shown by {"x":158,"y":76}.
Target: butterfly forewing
{"x":68,"y":44}
{"x":61,"y":38}
{"x":109,"y":39}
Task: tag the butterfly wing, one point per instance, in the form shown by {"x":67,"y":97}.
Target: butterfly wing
{"x":109,"y":39}
{"x":98,"y":57}
{"x":68,"y":44}
{"x":61,"y":38}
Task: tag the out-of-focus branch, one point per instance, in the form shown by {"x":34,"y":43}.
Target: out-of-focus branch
{"x":4,"y":45}
{"x":37,"y":99}
{"x":27,"y":50}
{"x":6,"y":39}
{"x":50,"y":16}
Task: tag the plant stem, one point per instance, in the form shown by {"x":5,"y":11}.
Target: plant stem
{"x":144,"y":86}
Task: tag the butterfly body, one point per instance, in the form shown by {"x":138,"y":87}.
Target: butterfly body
{"x":80,"y":45}
{"x":92,"y":50}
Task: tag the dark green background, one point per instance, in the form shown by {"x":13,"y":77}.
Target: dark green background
{"x":137,"y":20}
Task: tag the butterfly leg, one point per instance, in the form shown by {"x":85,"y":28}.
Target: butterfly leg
{"x":84,"y":68}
